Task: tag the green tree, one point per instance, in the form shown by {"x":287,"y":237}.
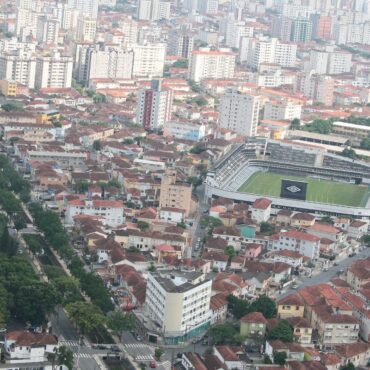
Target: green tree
{"x":99,"y":98}
{"x":210,"y":222}
{"x":267,"y":360}
{"x":8,"y":245}
{"x":68,"y":287}
{"x":327,"y":220}
{"x":82,"y":186}
{"x":349,"y":366}
{"x":34,"y":301}
{"x":365,"y":143}
{"x":282,"y":331}
{"x":114,"y":183}
{"x":238,"y":307}
{"x":119,"y":321}
{"x":142,"y":225}
{"x":280,"y":358}
{"x":128,"y":141}
{"x":181,"y":63}
{"x":295,"y":124}
{"x":87,"y":316}
{"x":3,"y":305}
{"x":11,"y":106}
{"x":349,"y":153}
{"x":223,"y":333}
{"x":133,"y":249}
{"x":195,"y":181}
{"x":267,"y":228}
{"x":366,"y":240}
{"x":197,"y":149}
{"x":265,"y":305}
{"x":230,"y":252}
{"x":320,"y":126}
{"x":158,"y":352}
{"x":61,"y":356}
{"x":97,"y":145}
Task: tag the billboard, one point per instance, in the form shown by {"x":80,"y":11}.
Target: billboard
{"x":293,"y":189}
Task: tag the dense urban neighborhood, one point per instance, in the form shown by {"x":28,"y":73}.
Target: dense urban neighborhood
{"x":184,"y":184}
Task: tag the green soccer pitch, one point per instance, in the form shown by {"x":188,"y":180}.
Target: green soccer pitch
{"x":322,"y":191}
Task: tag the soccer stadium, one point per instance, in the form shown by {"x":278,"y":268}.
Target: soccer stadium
{"x":293,"y":176}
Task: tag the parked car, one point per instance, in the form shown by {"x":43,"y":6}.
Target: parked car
{"x":115,"y":349}
{"x":139,"y":338}
{"x":152,"y":364}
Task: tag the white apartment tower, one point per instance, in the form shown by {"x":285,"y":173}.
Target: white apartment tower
{"x":180,"y":43}
{"x":109,"y":62}
{"x":180,"y":303}
{"x":153,"y":10}
{"x":54,"y":71}
{"x":86,"y":29}
{"x":19,"y":66}
{"x":148,"y":59}
{"x":239,"y":112}
{"x":208,"y":7}
{"x":86,"y":8}
{"x":207,"y":63}
{"x":47,"y":30}
{"x":154,"y":107}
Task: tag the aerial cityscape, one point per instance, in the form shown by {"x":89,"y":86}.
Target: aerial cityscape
{"x":184,"y":184}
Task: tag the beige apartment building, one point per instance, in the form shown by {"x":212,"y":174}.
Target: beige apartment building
{"x":176,"y":194}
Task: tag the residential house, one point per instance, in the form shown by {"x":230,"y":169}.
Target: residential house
{"x":302,"y":220}
{"x":326,"y":231}
{"x":298,"y":241}
{"x":253,"y":325}
{"x":218,"y":306}
{"x":342,"y":223}
{"x":290,"y":306}
{"x":192,"y":361}
{"x":334,"y":328}
{"x":289,"y":257}
{"x":253,"y":251}
{"x":229,"y":356}
{"x":231,"y":234}
{"x":284,"y":216}
{"x":261,"y":210}
{"x":294,"y":351}
{"x":302,"y":330}
{"x":23,"y":348}
{"x":356,"y":353}
{"x":357,"y":229}
{"x":218,"y":260}
{"x":174,"y":215}
{"x":358,"y":274}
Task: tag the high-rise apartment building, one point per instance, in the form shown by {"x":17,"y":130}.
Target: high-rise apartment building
{"x":180,"y":43}
{"x":283,"y":109}
{"x":19,"y":66}
{"x":86,"y":8}
{"x":47,"y":30}
{"x":321,"y":26}
{"x":86,"y":29}
{"x":318,"y":61}
{"x":176,"y":194}
{"x":301,"y":30}
{"x":320,"y":88}
{"x":129,"y":28}
{"x":154,"y":107}
{"x":109,"y":62}
{"x":179,"y":302}
{"x":207,"y":6}
{"x":54,"y":71}
{"x":153,"y":10}
{"x":265,"y":50}
{"x":148,"y":59}
{"x":281,"y":27}
{"x":207,"y":63}
{"x":340,"y":61}
{"x":235,"y":30}
{"x":239,"y":112}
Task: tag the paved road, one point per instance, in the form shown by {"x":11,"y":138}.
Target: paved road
{"x":326,"y":276}
{"x":197,"y":231}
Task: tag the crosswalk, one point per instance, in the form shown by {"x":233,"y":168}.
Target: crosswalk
{"x":144,"y":358}
{"x":83,"y":355}
{"x":68,"y":343}
{"x":166,"y":365}
{"x":139,"y":346}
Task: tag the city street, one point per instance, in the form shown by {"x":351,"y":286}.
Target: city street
{"x":325,"y":276}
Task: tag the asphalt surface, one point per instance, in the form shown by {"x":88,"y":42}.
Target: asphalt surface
{"x":325,"y":276}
